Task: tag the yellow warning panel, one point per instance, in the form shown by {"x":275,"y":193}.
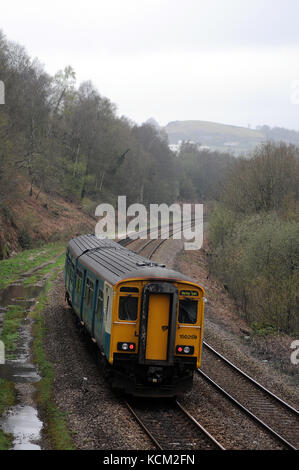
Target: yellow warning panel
{"x":157,"y":327}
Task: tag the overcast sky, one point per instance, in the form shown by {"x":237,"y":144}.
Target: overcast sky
{"x":229,"y":61}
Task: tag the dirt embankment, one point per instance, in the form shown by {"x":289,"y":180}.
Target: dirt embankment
{"x":27,"y":221}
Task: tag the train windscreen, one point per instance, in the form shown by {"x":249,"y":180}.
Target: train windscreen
{"x":188,"y":311}
{"x":128,"y":308}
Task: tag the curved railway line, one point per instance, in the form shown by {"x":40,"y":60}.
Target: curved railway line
{"x":270,"y":412}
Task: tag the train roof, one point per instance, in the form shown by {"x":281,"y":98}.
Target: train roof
{"x":115,"y":263}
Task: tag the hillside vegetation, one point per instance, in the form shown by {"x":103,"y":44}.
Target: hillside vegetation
{"x":64,"y":150}
{"x":26,"y":222}
{"x":254,"y":233}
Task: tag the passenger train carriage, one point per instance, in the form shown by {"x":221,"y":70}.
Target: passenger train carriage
{"x":146,"y":320}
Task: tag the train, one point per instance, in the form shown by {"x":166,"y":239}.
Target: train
{"x":146,"y":320}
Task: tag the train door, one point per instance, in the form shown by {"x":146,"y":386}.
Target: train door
{"x":88,"y":307}
{"x":108,"y":301}
{"x":157,"y":327}
{"x":158,"y":323}
{"x":99,"y":315}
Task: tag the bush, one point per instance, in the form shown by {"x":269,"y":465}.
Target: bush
{"x":221,"y":226}
{"x":258,"y":261}
{"x":25,"y":240}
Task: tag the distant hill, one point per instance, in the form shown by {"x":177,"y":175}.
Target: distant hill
{"x":217,"y":136}
{"x":224,"y":137}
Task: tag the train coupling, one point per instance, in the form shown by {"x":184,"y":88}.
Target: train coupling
{"x":155,"y":374}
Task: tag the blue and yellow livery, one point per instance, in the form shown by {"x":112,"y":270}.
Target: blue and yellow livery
{"x":146,"y":320}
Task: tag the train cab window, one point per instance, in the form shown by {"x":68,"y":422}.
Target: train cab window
{"x":129,"y":289}
{"x":128,"y":308}
{"x":188,"y":311}
{"x":89,"y":289}
{"x":100,"y":302}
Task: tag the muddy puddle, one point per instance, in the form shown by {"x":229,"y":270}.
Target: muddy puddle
{"x":21,"y":420}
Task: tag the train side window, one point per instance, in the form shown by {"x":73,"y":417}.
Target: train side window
{"x":188,"y":311}
{"x":86,"y":290}
{"x":107,"y":307}
{"x":68,"y":270}
{"x":71,"y":273}
{"x":89,"y":289}
{"x":100,"y":302}
{"x":128,"y":308}
{"x":79,"y":281}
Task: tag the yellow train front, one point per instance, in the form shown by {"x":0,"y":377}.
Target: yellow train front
{"x":146,"y":320}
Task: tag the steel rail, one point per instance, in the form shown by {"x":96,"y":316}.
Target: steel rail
{"x":247,"y":411}
{"x":200,"y":426}
{"x":250,"y":379}
{"x":147,"y":431}
{"x":187,"y":414}
{"x":258,"y":386}
{"x":161,"y":241}
{"x":127,"y":241}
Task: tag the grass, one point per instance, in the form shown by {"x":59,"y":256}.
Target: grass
{"x":7,"y":399}
{"x":11,"y":324}
{"x":55,"y":420}
{"x":9,"y":335}
{"x":45,"y":270}
{"x":12,"y":268}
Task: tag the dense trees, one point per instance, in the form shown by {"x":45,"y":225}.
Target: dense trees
{"x":254,"y":236}
{"x":70,"y":141}
{"x":67,"y":140}
{"x":201,"y":172}
{"x":263,"y":182}
{"x":278,"y":134}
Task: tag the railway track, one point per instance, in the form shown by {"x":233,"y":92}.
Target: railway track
{"x":150,"y":246}
{"x":171,"y":427}
{"x":271,"y":413}
{"x":268,"y":410}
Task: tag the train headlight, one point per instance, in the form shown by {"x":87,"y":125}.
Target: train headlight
{"x":181,"y":349}
{"x":131,"y":347}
